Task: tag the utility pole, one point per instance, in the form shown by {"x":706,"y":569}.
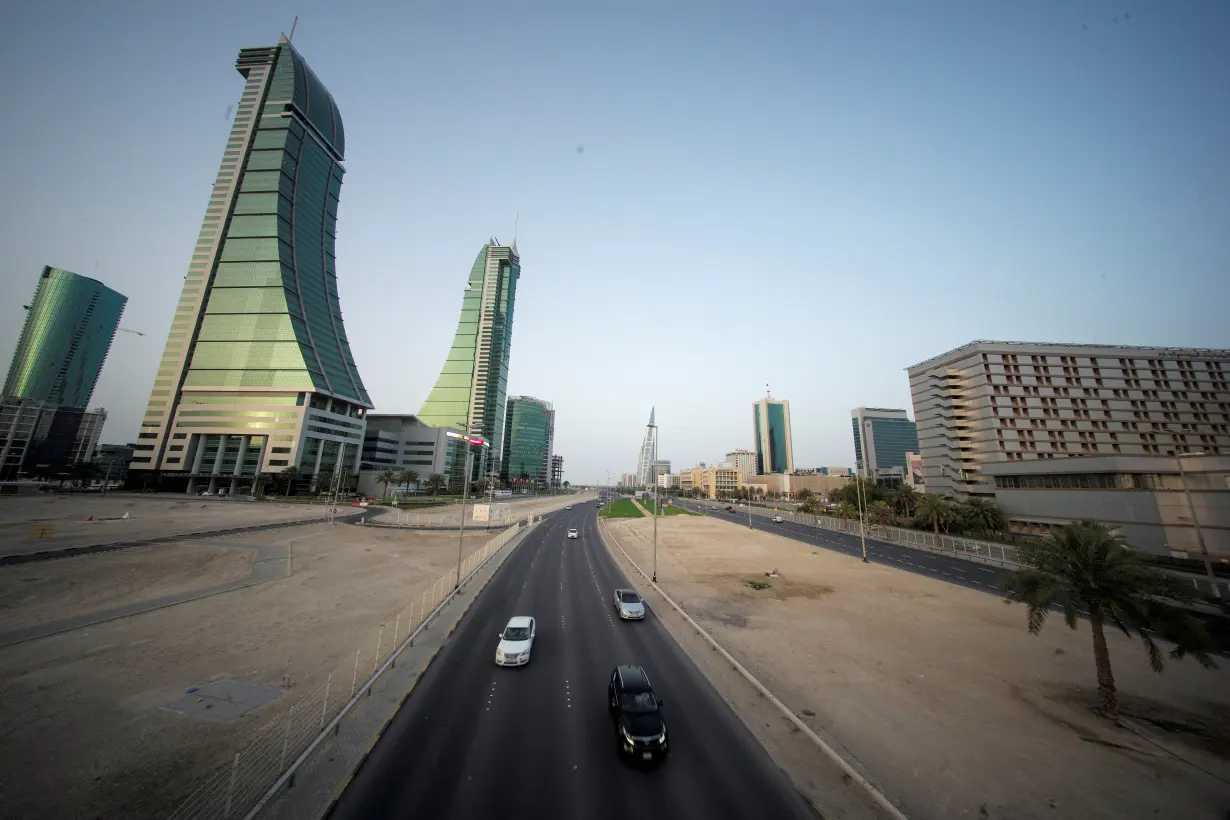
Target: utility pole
{"x":655,"y":532}
{"x":862,"y":519}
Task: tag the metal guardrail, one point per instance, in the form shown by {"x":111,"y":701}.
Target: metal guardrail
{"x":239,"y":785}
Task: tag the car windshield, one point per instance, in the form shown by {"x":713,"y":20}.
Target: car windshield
{"x":517,"y":633}
{"x":626,"y":597}
{"x":640,"y":702}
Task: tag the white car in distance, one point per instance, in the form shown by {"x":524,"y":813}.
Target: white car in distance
{"x":572,"y":533}
{"x":777,"y":519}
{"x":516,"y":641}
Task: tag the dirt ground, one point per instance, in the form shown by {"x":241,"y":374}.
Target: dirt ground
{"x":148,"y":517}
{"x":51,"y":590}
{"x":80,"y":715}
{"x":939,"y":693}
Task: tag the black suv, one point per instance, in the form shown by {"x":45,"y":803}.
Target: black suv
{"x":637,"y":712}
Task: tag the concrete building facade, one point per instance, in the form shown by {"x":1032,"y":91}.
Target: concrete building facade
{"x":772,"y":434}
{"x":257,"y":375}
{"x":1160,"y":504}
{"x":404,"y":442}
{"x":991,"y":402}
{"x":744,"y":461}
{"x":713,"y":481}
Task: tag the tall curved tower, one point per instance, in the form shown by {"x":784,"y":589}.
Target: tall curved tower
{"x":473,"y":385}
{"x":257,"y":374}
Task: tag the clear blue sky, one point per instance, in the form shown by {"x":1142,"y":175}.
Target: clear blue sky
{"x":813,"y":195}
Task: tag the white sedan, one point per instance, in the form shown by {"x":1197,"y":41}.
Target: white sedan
{"x":777,"y":519}
{"x":516,"y":641}
{"x":572,"y":533}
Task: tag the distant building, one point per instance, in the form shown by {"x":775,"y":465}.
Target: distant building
{"x":882,"y":437}
{"x":112,"y":461}
{"x":65,"y":339}
{"x":792,"y":484}
{"x":404,"y":442}
{"x":660,"y":467}
{"x":627,"y":479}
{"x":529,"y":432}
{"x":744,"y":461}
{"x":914,"y":472}
{"x":557,"y":471}
{"x":648,"y":454}
{"x":668,"y":481}
{"x":88,"y":434}
{"x":836,"y":471}
{"x":37,"y":439}
{"x":471,"y":391}
{"x":988,"y":402}
{"x":715,"y":482}
{"x":771,"y":428}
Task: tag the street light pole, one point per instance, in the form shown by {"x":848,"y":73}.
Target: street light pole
{"x":465,"y":494}
{"x":862,"y":519}
{"x":655,"y":533}
{"x":1191,"y":508}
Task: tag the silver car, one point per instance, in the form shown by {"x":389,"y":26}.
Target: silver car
{"x":629,"y":605}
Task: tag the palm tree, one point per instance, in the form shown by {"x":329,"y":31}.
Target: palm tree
{"x":1086,"y":564}
{"x":408,"y":477}
{"x":290,"y":475}
{"x":323,"y":480}
{"x":846,"y":510}
{"x":903,"y":498}
{"x":934,"y":510}
{"x":386,"y":477}
{"x":804,"y":495}
{"x":880,"y":513}
{"x":983,"y":516}
{"x":435,"y":483}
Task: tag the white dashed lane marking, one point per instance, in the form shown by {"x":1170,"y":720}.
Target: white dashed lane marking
{"x":490,"y":695}
{"x":568,"y":693}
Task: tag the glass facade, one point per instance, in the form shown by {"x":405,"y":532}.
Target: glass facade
{"x":529,"y":428}
{"x":771,"y":426}
{"x":68,"y":332}
{"x":472,"y":388}
{"x":891,"y":435}
{"x":259,"y":325}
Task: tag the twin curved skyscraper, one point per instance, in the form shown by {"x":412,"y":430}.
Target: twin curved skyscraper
{"x":257,"y":374}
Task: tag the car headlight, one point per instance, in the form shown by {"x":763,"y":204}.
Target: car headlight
{"x":623,"y":731}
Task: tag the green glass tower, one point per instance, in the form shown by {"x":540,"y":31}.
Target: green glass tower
{"x":471,"y":390}
{"x":529,"y":433}
{"x":257,"y":374}
{"x":68,"y":331}
{"x":774,"y":443}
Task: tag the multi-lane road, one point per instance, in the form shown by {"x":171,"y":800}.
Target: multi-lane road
{"x":476,"y":740}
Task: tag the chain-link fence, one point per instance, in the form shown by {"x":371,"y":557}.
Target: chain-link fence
{"x":237,"y":786}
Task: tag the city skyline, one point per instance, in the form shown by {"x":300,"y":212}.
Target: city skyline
{"x":973,"y":178}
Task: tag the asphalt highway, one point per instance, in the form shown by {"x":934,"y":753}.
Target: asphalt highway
{"x":476,"y":740}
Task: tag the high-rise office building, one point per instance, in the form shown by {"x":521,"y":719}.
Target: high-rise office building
{"x":648,"y":454}
{"x":529,"y":432}
{"x":882,"y":437}
{"x":68,"y":331}
{"x":257,"y":373}
{"x":744,"y":461}
{"x":473,"y":384}
{"x":557,"y":471}
{"x":661,"y":467}
{"x":989,"y":402}
{"x":771,"y":428}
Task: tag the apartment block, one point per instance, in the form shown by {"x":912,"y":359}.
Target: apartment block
{"x":714,"y":481}
{"x":989,"y":402}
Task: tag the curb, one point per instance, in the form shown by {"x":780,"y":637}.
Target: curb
{"x":874,"y":793}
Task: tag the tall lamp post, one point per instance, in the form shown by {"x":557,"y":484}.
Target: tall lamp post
{"x":862,"y":518}
{"x":465,"y":490}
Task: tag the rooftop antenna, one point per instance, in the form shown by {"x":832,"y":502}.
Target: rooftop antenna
{"x":768,"y":394}
{"x":292,"y":29}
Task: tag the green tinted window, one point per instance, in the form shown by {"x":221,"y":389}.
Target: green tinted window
{"x":254,"y":225}
{"x":261,"y":181}
{"x":250,"y":250}
{"x":247,"y":300}
{"x":250,"y":327}
{"x":248,"y":274}
{"x":256,"y":204}
{"x":249,"y":378}
{"x":254,"y":355}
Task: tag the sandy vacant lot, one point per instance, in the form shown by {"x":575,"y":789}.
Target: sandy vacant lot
{"x":82,"y":727}
{"x":940,"y":693}
{"x":51,"y":590}
{"x":148,"y":517}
